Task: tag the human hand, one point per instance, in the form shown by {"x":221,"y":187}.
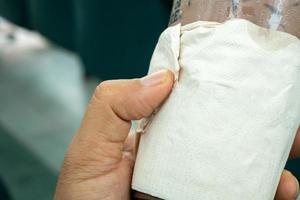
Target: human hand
{"x":288,"y":188}
{"x":99,"y":161}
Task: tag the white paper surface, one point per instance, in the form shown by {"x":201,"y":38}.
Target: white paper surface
{"x":227,"y":128}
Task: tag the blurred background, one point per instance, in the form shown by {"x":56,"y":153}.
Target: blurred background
{"x":53,"y":53}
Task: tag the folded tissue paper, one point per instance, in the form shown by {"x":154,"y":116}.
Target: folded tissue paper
{"x":226,"y":130}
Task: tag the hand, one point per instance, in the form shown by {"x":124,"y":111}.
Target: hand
{"x":99,"y":162}
{"x":288,"y":188}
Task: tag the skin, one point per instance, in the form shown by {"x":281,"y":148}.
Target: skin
{"x":99,"y":161}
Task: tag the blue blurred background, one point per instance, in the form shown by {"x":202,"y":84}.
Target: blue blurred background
{"x":53,"y":53}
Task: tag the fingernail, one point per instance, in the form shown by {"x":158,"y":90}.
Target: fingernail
{"x":154,"y":79}
{"x":297,"y":182}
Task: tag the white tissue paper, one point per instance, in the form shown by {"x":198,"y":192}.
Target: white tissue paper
{"x":227,"y":128}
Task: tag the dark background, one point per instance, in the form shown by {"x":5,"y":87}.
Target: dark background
{"x":114,"y":38}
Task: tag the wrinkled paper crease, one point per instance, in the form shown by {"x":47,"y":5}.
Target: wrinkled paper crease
{"x":226,"y":130}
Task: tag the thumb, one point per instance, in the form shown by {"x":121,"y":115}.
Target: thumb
{"x":116,"y":103}
{"x":107,"y":121}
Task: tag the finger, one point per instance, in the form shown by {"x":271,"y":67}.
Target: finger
{"x":295,"y":152}
{"x":116,"y":103}
{"x":288,"y":187}
{"x":106,"y":124}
